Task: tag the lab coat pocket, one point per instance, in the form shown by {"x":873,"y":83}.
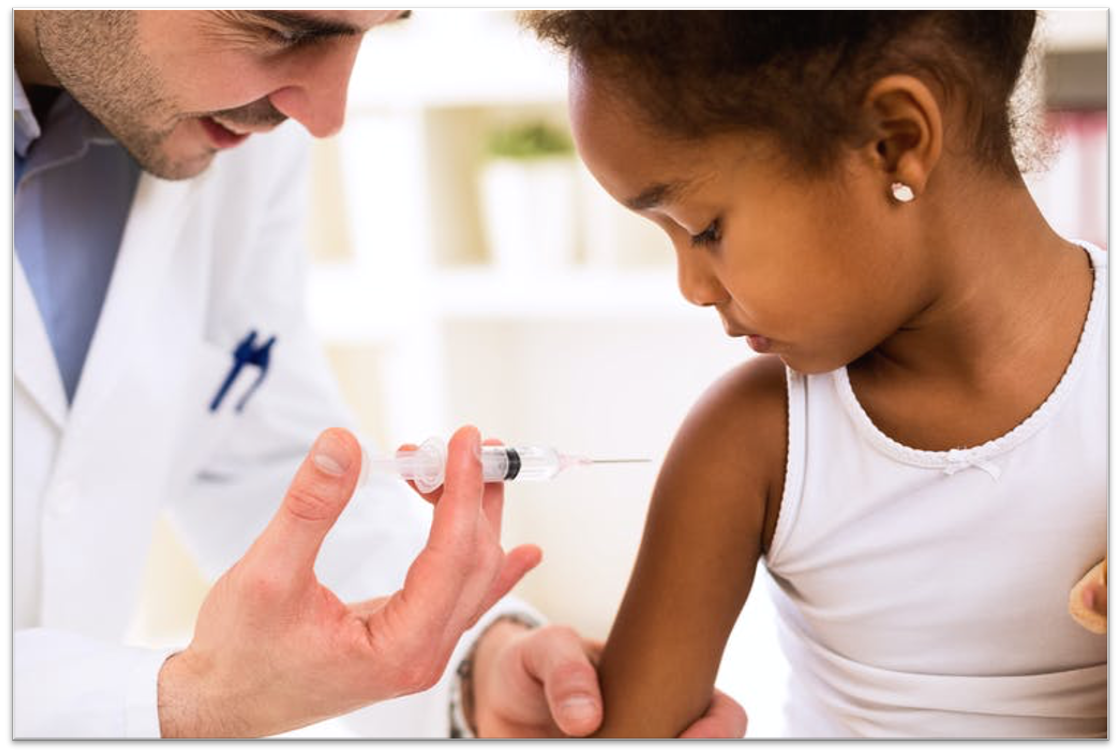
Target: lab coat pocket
{"x":207,"y":421}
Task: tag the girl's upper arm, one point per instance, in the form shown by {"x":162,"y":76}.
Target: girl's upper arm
{"x":713,"y":508}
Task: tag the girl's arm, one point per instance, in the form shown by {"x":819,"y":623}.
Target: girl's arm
{"x":714,"y":507}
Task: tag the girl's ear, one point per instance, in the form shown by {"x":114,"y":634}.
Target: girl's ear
{"x":906,"y":129}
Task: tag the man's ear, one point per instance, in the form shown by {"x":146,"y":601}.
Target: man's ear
{"x":906,"y":130}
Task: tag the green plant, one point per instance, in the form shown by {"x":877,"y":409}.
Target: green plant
{"x":528,"y":140}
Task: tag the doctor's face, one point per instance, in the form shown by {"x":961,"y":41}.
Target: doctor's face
{"x":177,"y":87}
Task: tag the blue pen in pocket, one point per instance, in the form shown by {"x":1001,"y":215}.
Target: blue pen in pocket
{"x":246,"y":353}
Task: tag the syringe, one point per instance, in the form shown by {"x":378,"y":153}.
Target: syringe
{"x":500,"y":463}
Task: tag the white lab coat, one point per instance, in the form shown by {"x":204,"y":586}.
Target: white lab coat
{"x":202,"y":262}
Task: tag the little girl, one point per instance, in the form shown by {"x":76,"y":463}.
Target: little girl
{"x":919,"y":455}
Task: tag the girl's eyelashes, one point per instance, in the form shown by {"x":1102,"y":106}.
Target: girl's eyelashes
{"x":708,"y":237}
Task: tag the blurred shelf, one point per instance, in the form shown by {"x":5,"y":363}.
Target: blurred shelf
{"x":1076,"y":80}
{"x":1076,"y":64}
{"x":576,"y":293}
{"x":348,"y":303}
{"x":1072,"y":30}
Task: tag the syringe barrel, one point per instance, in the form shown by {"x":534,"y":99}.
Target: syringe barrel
{"x":500,"y":463}
{"x":531,"y":462}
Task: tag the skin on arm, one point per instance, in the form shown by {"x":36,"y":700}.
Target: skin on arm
{"x":712,"y":515}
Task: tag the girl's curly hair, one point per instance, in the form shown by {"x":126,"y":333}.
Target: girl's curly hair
{"x":799,"y":75}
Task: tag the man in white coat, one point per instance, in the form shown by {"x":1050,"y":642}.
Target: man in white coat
{"x":163,"y":363}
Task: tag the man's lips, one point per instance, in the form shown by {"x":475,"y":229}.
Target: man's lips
{"x":226,"y":134}
{"x":246,"y":128}
{"x":222,"y":137}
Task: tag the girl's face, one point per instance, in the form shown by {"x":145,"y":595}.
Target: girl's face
{"x":816,"y":272}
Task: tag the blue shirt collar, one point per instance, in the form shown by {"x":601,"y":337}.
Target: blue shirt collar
{"x":85,"y":128}
{"x":27,"y":125}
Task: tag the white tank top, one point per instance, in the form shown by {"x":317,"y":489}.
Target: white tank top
{"x":923,"y":593}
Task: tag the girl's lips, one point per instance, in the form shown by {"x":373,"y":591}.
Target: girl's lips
{"x":759,"y":343}
{"x":221,"y":136}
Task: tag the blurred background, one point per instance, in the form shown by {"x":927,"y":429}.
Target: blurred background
{"x":468,"y":270}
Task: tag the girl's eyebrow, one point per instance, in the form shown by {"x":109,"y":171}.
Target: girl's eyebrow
{"x":652,"y":196}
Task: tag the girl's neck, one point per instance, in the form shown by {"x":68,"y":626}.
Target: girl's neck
{"x":1008,"y":300}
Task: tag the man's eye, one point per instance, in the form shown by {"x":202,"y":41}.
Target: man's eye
{"x":282,"y":37}
{"x":710,"y":236}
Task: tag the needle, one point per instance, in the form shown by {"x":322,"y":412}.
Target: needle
{"x":618,"y":460}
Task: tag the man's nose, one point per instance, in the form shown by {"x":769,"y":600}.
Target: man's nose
{"x":317,"y":96}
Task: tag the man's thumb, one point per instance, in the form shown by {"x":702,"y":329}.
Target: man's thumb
{"x":318,"y":493}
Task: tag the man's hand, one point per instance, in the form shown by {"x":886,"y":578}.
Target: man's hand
{"x":531,"y":683}
{"x":274,"y":649}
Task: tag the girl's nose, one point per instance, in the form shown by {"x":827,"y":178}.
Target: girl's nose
{"x":697,"y":281}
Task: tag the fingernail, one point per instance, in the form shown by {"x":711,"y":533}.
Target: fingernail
{"x":330,"y":455}
{"x":579,"y":708}
{"x":476,"y":443}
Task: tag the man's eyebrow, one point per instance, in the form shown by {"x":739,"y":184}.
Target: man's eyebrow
{"x":308,"y":26}
{"x":654,"y":195}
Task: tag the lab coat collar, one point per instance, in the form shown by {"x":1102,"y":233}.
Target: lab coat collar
{"x":154,"y":230}
{"x":153,"y":233}
{"x":33,"y":361}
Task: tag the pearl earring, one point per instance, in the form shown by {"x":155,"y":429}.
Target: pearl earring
{"x":901,"y":192}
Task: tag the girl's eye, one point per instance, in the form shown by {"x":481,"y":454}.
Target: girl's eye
{"x":708,"y":237}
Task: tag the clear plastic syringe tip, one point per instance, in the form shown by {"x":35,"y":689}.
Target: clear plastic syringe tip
{"x":568,"y":461}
